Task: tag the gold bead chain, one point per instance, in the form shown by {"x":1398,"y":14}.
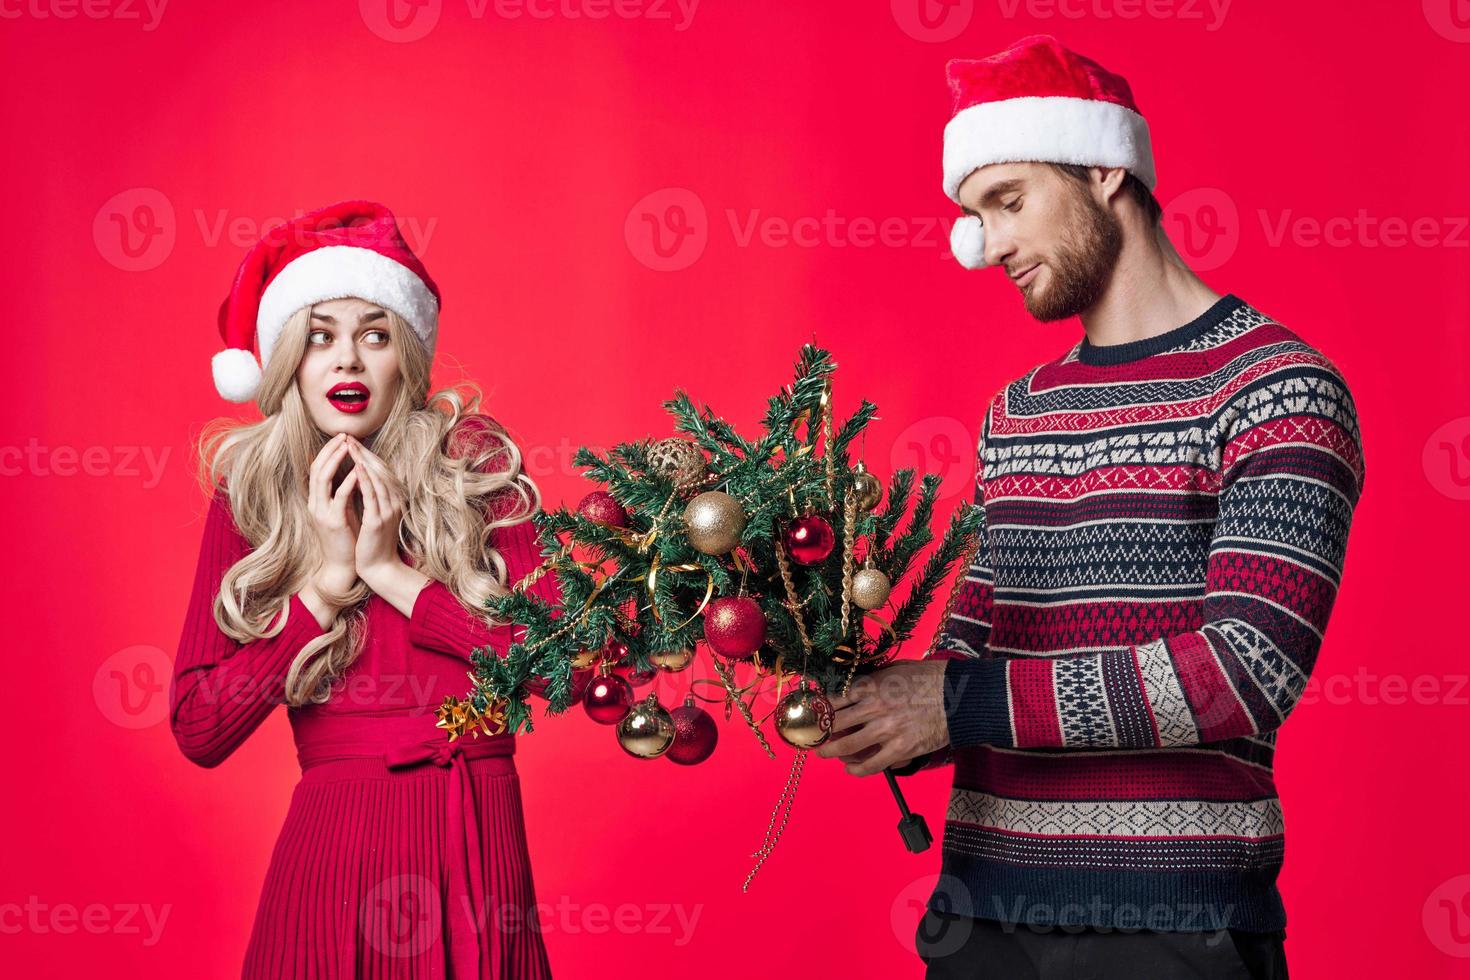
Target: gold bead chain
{"x":783,"y":809}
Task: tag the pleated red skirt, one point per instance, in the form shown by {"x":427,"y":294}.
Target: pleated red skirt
{"x":402,"y":856}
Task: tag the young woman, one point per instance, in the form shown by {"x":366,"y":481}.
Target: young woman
{"x":353,"y":536}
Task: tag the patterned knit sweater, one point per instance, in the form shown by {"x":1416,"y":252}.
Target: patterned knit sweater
{"x":1166,"y":523}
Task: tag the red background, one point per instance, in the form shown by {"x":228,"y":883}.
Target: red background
{"x":521,"y":151}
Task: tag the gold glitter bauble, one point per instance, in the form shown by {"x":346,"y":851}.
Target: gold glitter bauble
{"x":672,"y":661}
{"x":866,"y":488}
{"x":870,"y":588}
{"x":714,"y":522}
{"x":647,"y":731}
{"x":678,"y":460}
{"x":804,"y":718}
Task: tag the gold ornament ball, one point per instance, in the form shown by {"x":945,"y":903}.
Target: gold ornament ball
{"x":870,"y":588}
{"x":804,"y":718}
{"x":866,"y":487}
{"x":679,"y":460}
{"x":647,"y":731}
{"x":714,"y":522}
{"x":672,"y":661}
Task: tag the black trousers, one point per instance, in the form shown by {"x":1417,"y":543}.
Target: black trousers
{"x":961,"y":948}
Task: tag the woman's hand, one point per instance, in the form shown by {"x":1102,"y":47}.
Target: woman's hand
{"x":382,"y":513}
{"x":333,"y":518}
{"x":378,"y":561}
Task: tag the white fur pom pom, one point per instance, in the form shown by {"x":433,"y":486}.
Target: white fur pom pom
{"x":236,"y":374}
{"x":967,"y":242}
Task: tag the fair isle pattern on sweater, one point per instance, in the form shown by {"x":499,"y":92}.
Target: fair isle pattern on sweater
{"x":1165,"y":529}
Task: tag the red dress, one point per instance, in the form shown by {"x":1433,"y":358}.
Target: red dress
{"x":402,"y":854}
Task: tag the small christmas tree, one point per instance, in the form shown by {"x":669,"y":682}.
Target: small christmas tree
{"x":777,"y":553}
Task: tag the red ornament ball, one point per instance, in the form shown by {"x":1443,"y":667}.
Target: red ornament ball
{"x":602,"y":507}
{"x":695,"y":735}
{"x":639,"y":678}
{"x":734,"y":627}
{"x":608,"y":699}
{"x":809,"y":539}
{"x":581,"y":680}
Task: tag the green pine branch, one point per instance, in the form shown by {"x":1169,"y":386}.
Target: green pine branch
{"x":963,"y":526}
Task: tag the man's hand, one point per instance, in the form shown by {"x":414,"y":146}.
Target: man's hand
{"x":889,"y":717}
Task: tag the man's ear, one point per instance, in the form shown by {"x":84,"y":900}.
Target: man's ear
{"x":1106,"y":182}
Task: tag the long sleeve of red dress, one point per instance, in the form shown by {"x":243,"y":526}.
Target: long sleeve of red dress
{"x":223,"y":689}
{"x":439,"y":622}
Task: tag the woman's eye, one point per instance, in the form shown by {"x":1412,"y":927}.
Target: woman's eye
{"x":325,"y":337}
{"x":1013,"y":206}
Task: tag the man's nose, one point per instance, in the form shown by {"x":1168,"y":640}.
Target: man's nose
{"x":998,"y":246}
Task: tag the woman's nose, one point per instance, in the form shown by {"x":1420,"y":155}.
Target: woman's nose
{"x":347,"y":356}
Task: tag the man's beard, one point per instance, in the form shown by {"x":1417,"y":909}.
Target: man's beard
{"x":1082,"y":265}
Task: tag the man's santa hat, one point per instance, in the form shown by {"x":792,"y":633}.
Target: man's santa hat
{"x":348,"y":249}
{"x":1036,"y":101}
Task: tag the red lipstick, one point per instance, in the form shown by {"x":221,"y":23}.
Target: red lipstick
{"x":349,"y":396}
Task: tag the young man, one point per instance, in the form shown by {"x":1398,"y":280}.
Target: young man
{"x":1167,"y":509}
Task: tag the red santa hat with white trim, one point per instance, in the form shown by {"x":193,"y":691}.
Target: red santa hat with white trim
{"x":348,"y":249}
{"x":1036,"y":100}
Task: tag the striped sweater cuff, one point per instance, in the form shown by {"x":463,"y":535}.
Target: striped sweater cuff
{"x":976,"y":708}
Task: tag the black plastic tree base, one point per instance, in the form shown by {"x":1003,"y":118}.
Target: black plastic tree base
{"x":911,"y":826}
